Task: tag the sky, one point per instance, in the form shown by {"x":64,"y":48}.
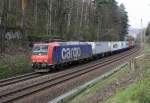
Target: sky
{"x":137,"y":10}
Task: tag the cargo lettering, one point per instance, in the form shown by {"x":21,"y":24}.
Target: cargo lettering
{"x":70,"y":53}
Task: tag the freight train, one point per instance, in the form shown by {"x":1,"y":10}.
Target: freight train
{"x":48,"y":56}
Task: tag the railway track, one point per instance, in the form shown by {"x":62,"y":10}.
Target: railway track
{"x":12,"y":80}
{"x":20,"y":78}
{"x":16,"y":93}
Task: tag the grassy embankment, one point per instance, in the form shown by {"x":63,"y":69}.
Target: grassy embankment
{"x":137,"y":91}
{"x":86,"y":95}
{"x":12,"y":65}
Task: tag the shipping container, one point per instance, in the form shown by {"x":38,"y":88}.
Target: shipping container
{"x":115,"y":46}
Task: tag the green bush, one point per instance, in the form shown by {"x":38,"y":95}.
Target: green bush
{"x":14,"y":65}
{"x":136,"y":93}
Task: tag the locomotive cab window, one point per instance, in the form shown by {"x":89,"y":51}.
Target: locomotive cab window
{"x":40,"y":50}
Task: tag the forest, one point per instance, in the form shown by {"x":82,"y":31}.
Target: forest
{"x":23,"y":22}
{"x":147,"y":33}
{"x":86,"y":20}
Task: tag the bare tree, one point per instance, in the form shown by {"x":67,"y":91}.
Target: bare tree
{"x":3,"y":25}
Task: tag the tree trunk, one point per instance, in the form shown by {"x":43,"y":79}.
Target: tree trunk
{"x":3,"y":26}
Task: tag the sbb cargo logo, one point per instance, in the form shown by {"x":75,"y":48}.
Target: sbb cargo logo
{"x":70,"y":53}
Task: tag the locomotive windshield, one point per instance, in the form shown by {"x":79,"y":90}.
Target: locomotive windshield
{"x":40,"y":50}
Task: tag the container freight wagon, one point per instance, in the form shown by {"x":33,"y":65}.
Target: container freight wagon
{"x":119,"y":46}
{"x":125,"y":44}
{"x":100,"y":48}
{"x":115,"y":46}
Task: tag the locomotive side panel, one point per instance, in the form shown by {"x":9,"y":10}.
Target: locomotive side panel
{"x":63,"y":54}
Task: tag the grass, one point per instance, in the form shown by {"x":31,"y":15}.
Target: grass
{"x":83,"y":95}
{"x":14,"y":65}
{"x":138,"y":92}
{"x":147,"y":49}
